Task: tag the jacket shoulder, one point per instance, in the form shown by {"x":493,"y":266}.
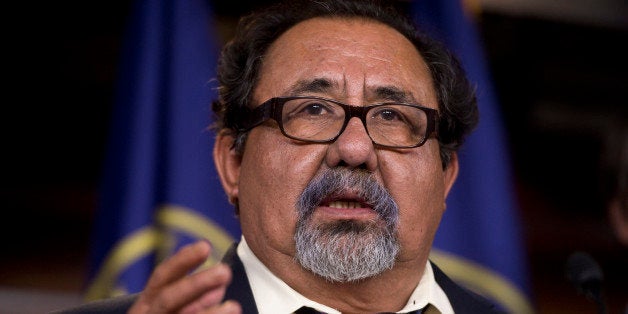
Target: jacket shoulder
{"x":462,"y":300}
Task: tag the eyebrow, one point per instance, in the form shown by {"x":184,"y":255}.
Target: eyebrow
{"x":392,"y":93}
{"x":324,"y":85}
{"x":317,"y":85}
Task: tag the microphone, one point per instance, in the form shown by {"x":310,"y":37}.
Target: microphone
{"x":585,"y":273}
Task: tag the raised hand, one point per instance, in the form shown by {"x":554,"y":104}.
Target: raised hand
{"x":172,"y":289}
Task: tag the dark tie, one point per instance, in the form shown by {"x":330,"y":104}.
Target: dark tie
{"x":309,"y":310}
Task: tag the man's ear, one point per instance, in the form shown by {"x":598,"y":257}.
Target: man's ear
{"x":227,"y":163}
{"x":450,"y":173}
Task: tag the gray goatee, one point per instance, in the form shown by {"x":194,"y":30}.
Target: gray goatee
{"x":347,"y":250}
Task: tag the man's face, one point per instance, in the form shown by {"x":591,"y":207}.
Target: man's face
{"x":359,"y":63}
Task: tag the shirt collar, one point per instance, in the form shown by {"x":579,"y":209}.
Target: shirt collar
{"x":428,"y":292}
{"x":273,"y":296}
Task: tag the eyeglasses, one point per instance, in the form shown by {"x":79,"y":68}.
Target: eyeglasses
{"x":321,"y":120}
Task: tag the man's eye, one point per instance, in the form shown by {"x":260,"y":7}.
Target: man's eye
{"x":310,"y":110}
{"x":314,"y":109}
{"x":388,"y":115}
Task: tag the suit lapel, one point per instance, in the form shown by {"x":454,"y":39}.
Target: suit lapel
{"x":462,"y":300}
{"x":239,"y":289}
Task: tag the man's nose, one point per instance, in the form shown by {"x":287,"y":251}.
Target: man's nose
{"x":353,"y":148}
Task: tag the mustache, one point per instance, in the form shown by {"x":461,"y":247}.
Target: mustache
{"x":335,"y":181}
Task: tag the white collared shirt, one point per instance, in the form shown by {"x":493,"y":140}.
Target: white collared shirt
{"x":273,"y":296}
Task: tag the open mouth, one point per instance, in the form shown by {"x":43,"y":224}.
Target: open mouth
{"x":346,"y":205}
{"x":345,"y":200}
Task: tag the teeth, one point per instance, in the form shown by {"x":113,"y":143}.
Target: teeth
{"x":344,"y":204}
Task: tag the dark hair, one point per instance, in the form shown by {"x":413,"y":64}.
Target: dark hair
{"x":241,"y":59}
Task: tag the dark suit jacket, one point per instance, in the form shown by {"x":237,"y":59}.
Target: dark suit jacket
{"x":462,"y":300}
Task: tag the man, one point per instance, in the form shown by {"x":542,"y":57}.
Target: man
{"x":338,"y":131}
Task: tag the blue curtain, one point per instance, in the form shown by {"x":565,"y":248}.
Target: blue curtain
{"x":160,"y":189}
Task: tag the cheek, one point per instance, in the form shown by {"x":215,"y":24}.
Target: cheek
{"x":415,"y":180}
{"x":271,"y":182}
{"x":278,"y":164}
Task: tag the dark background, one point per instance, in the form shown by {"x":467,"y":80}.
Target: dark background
{"x":561,"y":84}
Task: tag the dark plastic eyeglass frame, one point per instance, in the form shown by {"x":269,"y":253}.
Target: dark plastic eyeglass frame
{"x":272,"y":108}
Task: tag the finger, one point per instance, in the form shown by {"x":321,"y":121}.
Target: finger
{"x":179,"y":265}
{"x":208,"y":286}
{"x":167,"y":272}
{"x":228,"y":307}
{"x":211,"y":298}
